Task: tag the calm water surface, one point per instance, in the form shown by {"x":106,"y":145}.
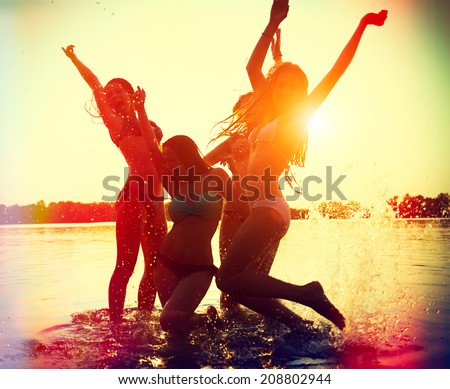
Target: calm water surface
{"x":389,"y":278}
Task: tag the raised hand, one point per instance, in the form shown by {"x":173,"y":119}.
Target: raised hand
{"x":276,"y":46}
{"x":279,"y":11}
{"x":226,"y":159}
{"x":375,"y":19}
{"x":139,"y":98}
{"x":69,"y":51}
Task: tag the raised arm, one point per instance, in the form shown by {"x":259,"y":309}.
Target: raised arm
{"x":278,"y":13}
{"x":148,"y":131}
{"x":319,"y":94}
{"x":105,"y":109}
{"x":276,"y":48}
{"x":215,"y":155}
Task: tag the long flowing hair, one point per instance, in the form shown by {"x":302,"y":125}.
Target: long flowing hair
{"x":261,"y":110}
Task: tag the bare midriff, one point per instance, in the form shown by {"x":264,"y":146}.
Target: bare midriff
{"x":189,"y":241}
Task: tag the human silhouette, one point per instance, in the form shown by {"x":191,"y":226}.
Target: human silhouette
{"x":140,"y":221}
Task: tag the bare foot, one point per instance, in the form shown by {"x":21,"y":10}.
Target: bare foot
{"x":318,"y":301}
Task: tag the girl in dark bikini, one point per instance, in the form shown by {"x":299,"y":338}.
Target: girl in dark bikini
{"x":141,"y":218}
{"x":185,"y":270}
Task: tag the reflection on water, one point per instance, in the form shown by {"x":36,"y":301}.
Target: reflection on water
{"x":388,"y":277}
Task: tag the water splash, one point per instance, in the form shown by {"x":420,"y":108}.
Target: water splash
{"x":248,"y":342}
{"x":389,"y":278}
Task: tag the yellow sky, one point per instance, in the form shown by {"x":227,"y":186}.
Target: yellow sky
{"x":385,"y":125}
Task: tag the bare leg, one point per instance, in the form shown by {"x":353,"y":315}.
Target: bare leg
{"x":165,"y":281}
{"x":266,"y":262}
{"x":274,"y":309}
{"x":284,"y":315}
{"x":180,"y":297}
{"x":247,"y":285}
{"x":254,"y":237}
{"x":129,"y":226}
{"x":228,"y":227}
{"x":154,"y":231}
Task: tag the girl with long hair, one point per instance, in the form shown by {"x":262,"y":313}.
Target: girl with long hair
{"x":185,"y":268}
{"x":281,"y":109}
{"x":234,"y":152}
{"x":140,"y":218}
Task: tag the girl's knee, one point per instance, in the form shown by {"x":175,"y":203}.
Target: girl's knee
{"x":122,"y":275}
{"x":173,"y":321}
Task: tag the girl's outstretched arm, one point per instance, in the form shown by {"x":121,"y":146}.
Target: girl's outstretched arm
{"x":319,"y":94}
{"x":215,"y":155}
{"x":278,"y":13}
{"x":147,"y":130}
{"x":109,"y":117}
{"x":85,"y":72}
{"x":276,"y":48}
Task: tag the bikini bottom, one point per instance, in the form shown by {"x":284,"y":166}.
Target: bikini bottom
{"x":280,"y":205}
{"x":183,"y":269}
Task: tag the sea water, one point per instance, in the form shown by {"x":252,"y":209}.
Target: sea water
{"x":389,"y":277}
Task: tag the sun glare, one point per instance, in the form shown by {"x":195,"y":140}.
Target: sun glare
{"x":317,"y":125}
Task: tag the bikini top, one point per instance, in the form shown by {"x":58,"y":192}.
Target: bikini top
{"x":266,"y":134}
{"x":133,"y":127}
{"x":207,"y":207}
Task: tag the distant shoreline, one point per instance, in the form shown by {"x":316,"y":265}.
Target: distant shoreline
{"x":69,"y":212}
{"x":112,"y":223}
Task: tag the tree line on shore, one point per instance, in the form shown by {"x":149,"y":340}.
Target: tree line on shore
{"x":76,"y":212}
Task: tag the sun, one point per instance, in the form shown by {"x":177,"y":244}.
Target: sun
{"x":318,"y":124}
